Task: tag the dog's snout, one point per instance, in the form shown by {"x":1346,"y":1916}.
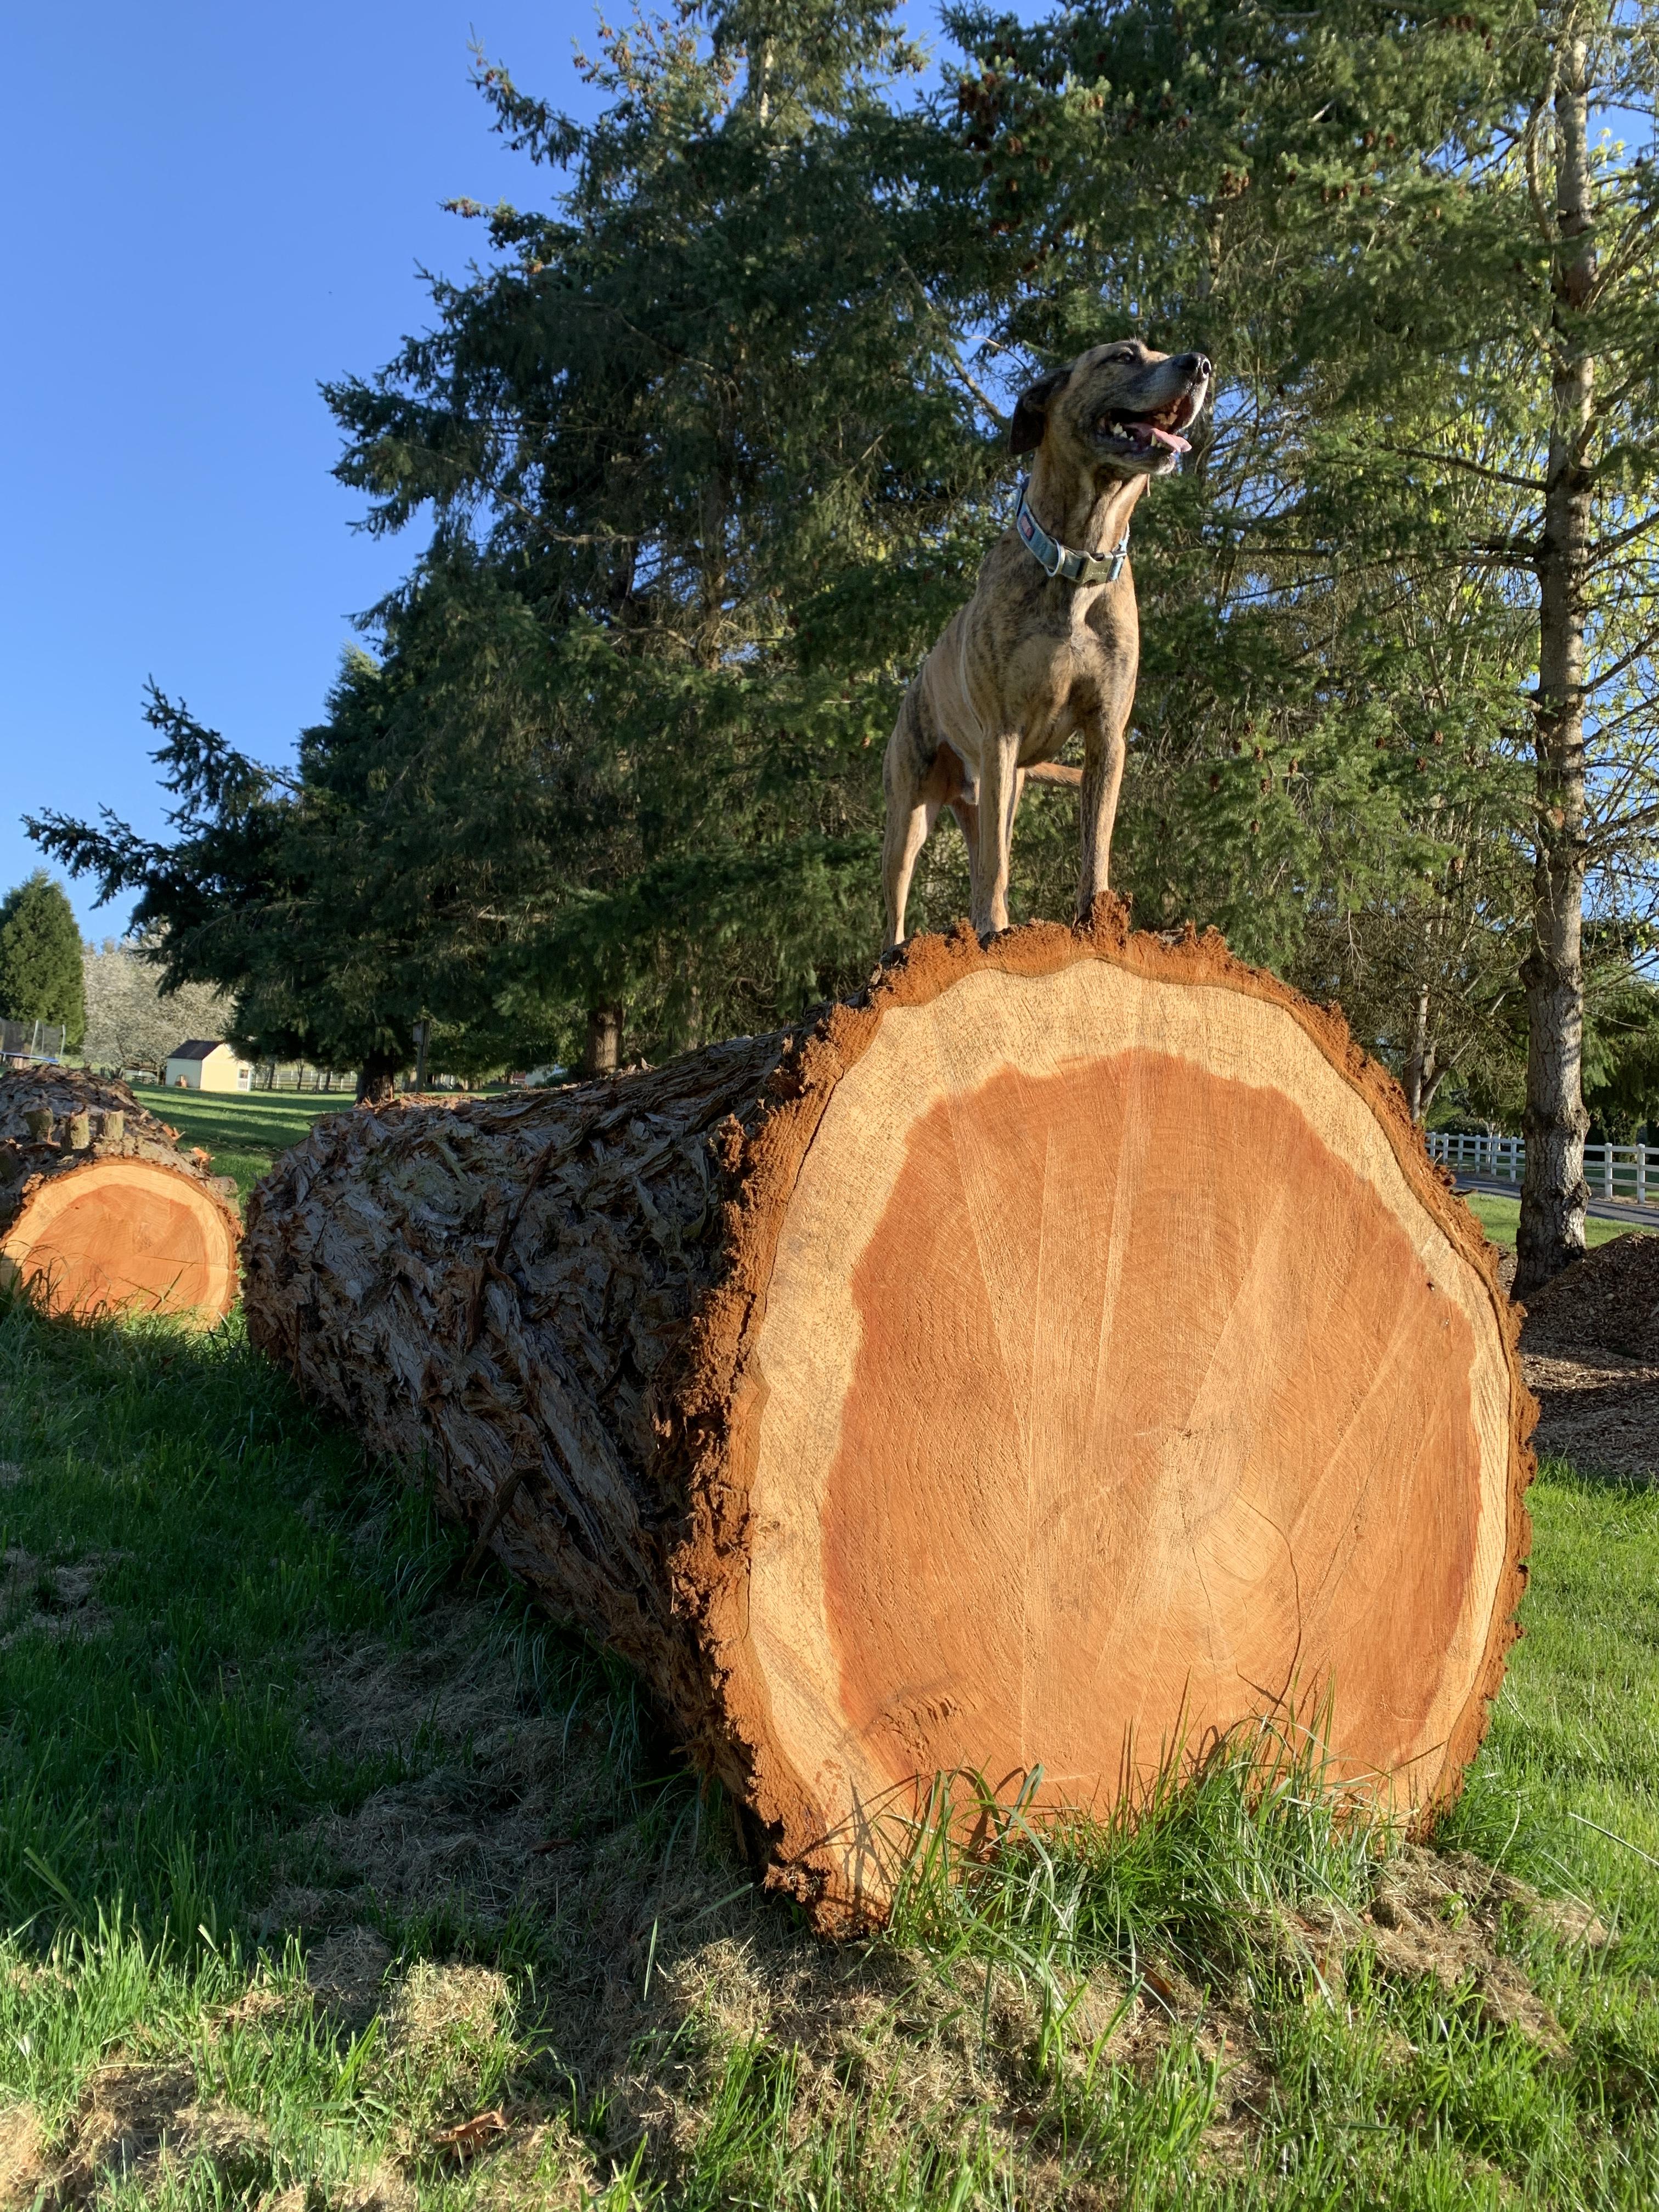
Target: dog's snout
{"x":1198,"y":365}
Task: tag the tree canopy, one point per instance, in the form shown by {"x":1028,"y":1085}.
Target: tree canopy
{"x":706,"y":450}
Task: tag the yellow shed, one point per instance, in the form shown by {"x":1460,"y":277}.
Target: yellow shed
{"x":205,"y":1064}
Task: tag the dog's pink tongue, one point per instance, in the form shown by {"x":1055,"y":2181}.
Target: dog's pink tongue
{"x":1170,"y":438}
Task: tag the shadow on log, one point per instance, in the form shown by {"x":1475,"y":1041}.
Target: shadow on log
{"x":100,"y":1211}
{"x":1063,"y":1351}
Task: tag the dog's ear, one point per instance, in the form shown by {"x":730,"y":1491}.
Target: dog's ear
{"x":1032,"y":412}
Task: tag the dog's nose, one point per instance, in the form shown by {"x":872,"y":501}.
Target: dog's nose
{"x":1197,"y":365}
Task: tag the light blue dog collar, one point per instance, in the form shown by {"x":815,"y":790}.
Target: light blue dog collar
{"x":1058,"y":560}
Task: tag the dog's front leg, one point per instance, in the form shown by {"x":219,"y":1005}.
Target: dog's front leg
{"x":1000,"y":781}
{"x":1103,"y":751}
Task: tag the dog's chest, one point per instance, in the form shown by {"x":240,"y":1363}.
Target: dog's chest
{"x":1083,"y":657}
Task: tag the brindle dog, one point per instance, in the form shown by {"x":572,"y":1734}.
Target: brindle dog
{"x":1034,"y":657}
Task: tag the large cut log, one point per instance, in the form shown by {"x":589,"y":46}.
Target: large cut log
{"x":100,"y":1211}
{"x":1063,"y":1352}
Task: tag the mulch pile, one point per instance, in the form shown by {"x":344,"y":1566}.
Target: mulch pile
{"x":1609,"y":1302}
{"x":1591,"y":1348}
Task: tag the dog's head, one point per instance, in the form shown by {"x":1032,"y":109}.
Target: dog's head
{"x":1117,"y":411}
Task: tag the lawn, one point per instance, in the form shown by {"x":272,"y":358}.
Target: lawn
{"x":1499,"y":1217}
{"x":337,"y":1880}
{"x":244,"y":1130}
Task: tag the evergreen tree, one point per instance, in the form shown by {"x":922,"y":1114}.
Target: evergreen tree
{"x":311,"y":898}
{"x":1433,"y":287}
{"x":40,"y":959}
{"x":709,"y":429}
{"x":707,"y":470}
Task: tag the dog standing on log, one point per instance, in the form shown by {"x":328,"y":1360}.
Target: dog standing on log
{"x":1049,"y":644}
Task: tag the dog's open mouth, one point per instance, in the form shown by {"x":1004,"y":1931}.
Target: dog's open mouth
{"x":1139,"y":434}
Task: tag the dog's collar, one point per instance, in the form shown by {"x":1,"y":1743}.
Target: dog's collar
{"x":1058,"y":560}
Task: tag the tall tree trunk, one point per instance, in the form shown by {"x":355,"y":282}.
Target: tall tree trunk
{"x":377,"y":1078}
{"x":603,"y":1040}
{"x":1553,"y":1194}
{"x":1420,"y":1062}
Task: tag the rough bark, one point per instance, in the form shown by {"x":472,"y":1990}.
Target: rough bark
{"x":1420,"y":1079}
{"x":100,"y":1211}
{"x":1553,"y":1192}
{"x":377,"y":1078}
{"x":604,"y":1050}
{"x":1064,"y":1346}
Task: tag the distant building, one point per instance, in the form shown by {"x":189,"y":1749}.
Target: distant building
{"x":205,"y":1064}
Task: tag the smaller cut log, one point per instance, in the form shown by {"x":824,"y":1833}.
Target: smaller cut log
{"x":100,"y":1211}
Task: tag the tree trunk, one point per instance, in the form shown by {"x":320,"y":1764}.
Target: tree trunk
{"x":1420,"y":1061}
{"x":1064,"y":1349}
{"x":603,"y":1040}
{"x":377,"y":1078}
{"x":101,"y":1213}
{"x":1553,"y":1190}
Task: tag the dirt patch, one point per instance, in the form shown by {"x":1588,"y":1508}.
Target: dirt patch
{"x":346,"y":1973}
{"x":663,"y":1969}
{"x":1449,"y":1916}
{"x":437,"y":2005}
{"x":1590,"y":1347}
{"x":135,"y":2124}
{"x":55,"y":1601}
{"x":475,"y":1785}
{"x":22,"y":2157}
{"x":1599,"y":1412}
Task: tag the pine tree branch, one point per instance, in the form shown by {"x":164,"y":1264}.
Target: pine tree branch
{"x":1604,"y":547}
{"x":1471,"y":468}
{"x":984,"y":398}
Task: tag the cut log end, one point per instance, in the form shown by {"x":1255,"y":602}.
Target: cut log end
{"x":124,"y":1235}
{"x":1123,"y":1374}
{"x":99,"y":1212}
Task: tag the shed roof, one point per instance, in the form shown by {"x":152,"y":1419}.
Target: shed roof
{"x":199,"y":1048}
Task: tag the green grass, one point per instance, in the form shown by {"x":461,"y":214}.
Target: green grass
{"x":313,"y":1850}
{"x":244,"y":1131}
{"x":1499,"y":1218}
{"x":1567,"y":1788}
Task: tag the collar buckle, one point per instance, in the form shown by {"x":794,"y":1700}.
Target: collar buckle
{"x":1057,"y":560}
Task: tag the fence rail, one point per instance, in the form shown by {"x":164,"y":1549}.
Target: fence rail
{"x":293,"y":1075}
{"x":1626,"y":1172}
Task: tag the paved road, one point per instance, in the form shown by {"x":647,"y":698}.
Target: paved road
{"x":1600,"y":1209}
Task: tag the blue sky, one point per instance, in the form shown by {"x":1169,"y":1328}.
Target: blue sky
{"x":208,"y":209}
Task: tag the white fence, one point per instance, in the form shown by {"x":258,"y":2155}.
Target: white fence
{"x":1626,"y":1172}
{"x":300,"y":1075}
